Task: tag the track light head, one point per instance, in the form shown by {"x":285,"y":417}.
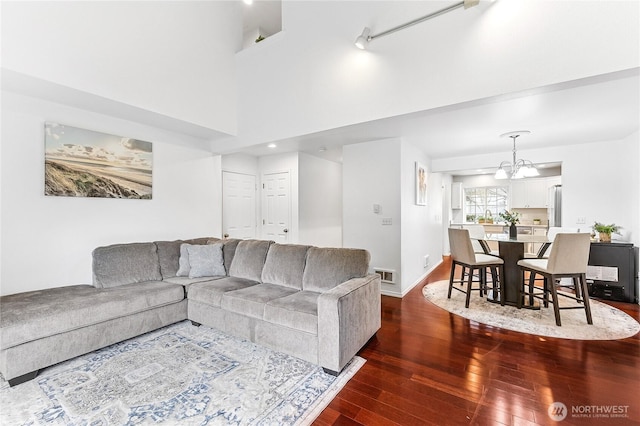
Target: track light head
{"x":363,"y":39}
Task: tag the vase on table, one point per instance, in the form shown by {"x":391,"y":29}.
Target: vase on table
{"x":513,"y":231}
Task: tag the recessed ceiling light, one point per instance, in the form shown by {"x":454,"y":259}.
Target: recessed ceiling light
{"x":249,"y":2}
{"x":271,"y":145}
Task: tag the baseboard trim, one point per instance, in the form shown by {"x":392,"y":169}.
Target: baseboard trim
{"x":418,"y":281}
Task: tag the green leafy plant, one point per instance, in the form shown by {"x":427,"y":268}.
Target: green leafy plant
{"x":510,"y":217}
{"x":606,"y":229}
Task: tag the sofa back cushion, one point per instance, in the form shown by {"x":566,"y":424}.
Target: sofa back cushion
{"x":285,"y":265}
{"x":249,"y":258}
{"x":328,"y":267}
{"x":229,"y":251}
{"x":168,"y":255}
{"x":120,"y":264}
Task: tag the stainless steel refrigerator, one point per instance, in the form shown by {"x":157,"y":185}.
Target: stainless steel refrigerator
{"x":554,"y":206}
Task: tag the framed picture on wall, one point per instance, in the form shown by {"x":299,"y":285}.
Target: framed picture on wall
{"x":85,"y":163}
{"x":421,"y":184}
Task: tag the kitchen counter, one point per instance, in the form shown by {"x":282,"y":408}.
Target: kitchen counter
{"x":500,"y":224}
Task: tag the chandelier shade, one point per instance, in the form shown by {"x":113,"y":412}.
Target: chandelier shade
{"x":517,"y":169}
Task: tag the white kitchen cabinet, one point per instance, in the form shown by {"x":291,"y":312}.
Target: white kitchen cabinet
{"x":529,"y":193}
{"x":456,"y":195}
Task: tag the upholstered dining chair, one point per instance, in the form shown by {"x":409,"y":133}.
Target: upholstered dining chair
{"x":551,"y":235}
{"x":462,"y":254}
{"x":476,"y":233}
{"x":568,"y":258}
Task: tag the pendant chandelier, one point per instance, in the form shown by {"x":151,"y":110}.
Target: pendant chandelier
{"x":517,"y":169}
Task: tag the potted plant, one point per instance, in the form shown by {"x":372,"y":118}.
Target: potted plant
{"x":605,"y":231}
{"x":480,"y":219}
{"x":511,"y":217}
{"x":536,"y":221}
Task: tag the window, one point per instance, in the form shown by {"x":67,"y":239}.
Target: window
{"x":479,"y":200}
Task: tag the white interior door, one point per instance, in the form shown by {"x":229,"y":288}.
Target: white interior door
{"x":276,"y":206}
{"x":238,"y":205}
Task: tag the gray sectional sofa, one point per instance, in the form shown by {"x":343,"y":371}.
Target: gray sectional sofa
{"x":319,"y":304}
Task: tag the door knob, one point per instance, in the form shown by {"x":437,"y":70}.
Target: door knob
{"x":285,"y":230}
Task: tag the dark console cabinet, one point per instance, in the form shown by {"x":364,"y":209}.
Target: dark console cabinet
{"x":613,"y":271}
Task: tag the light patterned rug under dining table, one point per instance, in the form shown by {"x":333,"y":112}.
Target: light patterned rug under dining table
{"x":609,"y":323}
{"x":180,"y":374}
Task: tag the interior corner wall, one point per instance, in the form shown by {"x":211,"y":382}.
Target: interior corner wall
{"x":372,"y":176}
{"x":173,"y":58}
{"x":47,"y":241}
{"x":421,"y":233}
{"x":320,"y":201}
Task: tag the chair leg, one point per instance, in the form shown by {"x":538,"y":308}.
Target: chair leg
{"x":451,"y":276}
{"x":532,"y":282}
{"x":501,"y":278}
{"x":545,"y":296}
{"x":494,"y":281}
{"x":466,"y":303}
{"x":554,"y":297}
{"x":576,"y":286}
{"x":585,"y":297}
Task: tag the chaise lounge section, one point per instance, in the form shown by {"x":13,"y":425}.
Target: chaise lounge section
{"x":319,"y":304}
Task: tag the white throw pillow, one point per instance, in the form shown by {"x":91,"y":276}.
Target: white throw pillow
{"x":206,"y":260}
{"x":183,"y":262}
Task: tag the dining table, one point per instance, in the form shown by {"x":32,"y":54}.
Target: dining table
{"x":511,"y":250}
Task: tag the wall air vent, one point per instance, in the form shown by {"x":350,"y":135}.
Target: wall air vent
{"x":386,"y":275}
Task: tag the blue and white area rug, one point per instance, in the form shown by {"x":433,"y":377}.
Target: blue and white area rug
{"x":180,"y":374}
{"x":609,"y":323}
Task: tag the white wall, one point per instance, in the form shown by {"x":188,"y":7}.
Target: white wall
{"x":372,"y":175}
{"x":240,"y":163}
{"x":421,"y":228}
{"x":172,"y":58}
{"x":47,"y":241}
{"x":320,"y":201}
{"x":320,"y":81}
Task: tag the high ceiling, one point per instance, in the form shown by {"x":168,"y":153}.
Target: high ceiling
{"x":603,"y":108}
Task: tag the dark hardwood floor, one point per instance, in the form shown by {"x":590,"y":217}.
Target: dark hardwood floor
{"x":426,"y":366}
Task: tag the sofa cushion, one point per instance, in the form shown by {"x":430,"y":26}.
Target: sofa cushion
{"x":251,"y":301}
{"x":211,"y":292}
{"x":120,"y":264}
{"x":183,"y":261}
{"x":37,"y":314}
{"x":229,"y":251}
{"x":249,"y":258}
{"x":187,"y":282}
{"x":202,"y":240}
{"x":206,"y":260}
{"x":328,"y":267}
{"x":285,"y":265}
{"x":298,"y":311}
{"x":168,"y":257}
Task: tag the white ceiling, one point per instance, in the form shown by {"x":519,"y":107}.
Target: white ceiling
{"x":595,"y":109}
{"x":263,"y":14}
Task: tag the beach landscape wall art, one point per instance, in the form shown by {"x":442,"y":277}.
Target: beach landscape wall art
{"x":84,"y":163}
